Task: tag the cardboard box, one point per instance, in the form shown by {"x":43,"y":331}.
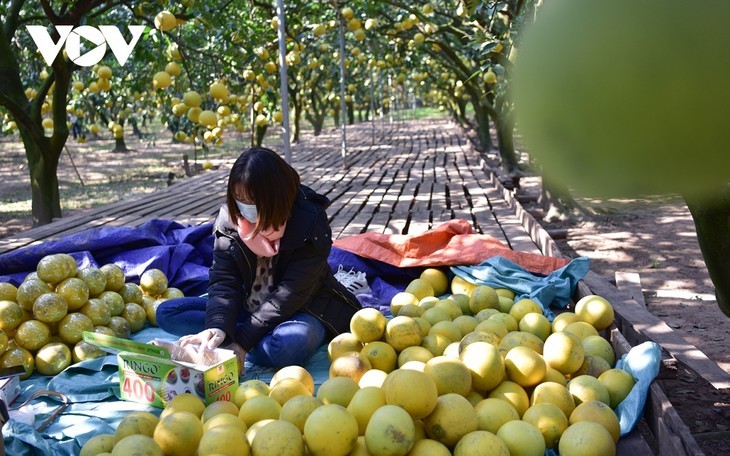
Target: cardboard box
{"x":149,"y":373}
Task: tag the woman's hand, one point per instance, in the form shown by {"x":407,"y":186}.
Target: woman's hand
{"x":209,"y":338}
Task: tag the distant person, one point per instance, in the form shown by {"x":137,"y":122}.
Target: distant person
{"x":271,"y":294}
{"x":75,"y":127}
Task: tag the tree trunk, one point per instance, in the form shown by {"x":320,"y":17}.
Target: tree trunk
{"x":350,"y":114}
{"x":712,"y":221}
{"x":297,"y":117}
{"x":558,"y":203}
{"x":506,"y":143}
{"x":260,"y":133}
{"x":120,"y":145}
{"x":42,"y":166}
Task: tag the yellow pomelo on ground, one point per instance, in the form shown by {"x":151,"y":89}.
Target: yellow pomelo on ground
{"x":285,"y":389}
{"x":412,"y":390}
{"x":30,"y":290}
{"x":451,"y":419}
{"x":507,"y":320}
{"x":586,"y":438}
{"x":297,"y":409}
{"x":32,"y":335}
{"x":481,"y":443}
{"x":254,"y":429}
{"x":337,"y":390}
{"x":598,"y":412}
{"x":295,"y":372}
{"x":427,"y":302}
{"x":390,"y":431}
{"x":586,"y":388}
{"x":485,"y":364}
{"x":447,"y":329}
{"x":373,"y":377}
{"x":514,"y":394}
{"x":53,"y":268}
{"x":402,"y":332}
{"x":4,"y":340}
{"x":435,"y":315}
{"x":94,"y":279}
{"x":360,"y":449}
{"x":451,"y":308}
{"x":114,"y":276}
{"x":466,"y":323}
{"x":97,"y":310}
{"x":420,"y":288}
{"x":536,"y":324}
{"x":401,"y":299}
{"x":522,"y":438}
{"x":523,"y":307}
{"x":153,"y":282}
{"x":429,"y":447}
{"x":555,"y":394}
{"x":564,"y":352}
{"x":549,"y":420}
{"x":217,"y":408}
{"x":330,"y":430}
{"x":351,"y":364}
{"x":120,"y":326}
{"x":482,"y":297}
{"x":491,"y":326}
{"x":341,"y":344}
{"x":413,"y":365}
{"x":595,"y":310}
{"x":381,"y":356}
{"x":114,"y":301}
{"x":562,"y":320}
{"x":278,"y":438}
{"x":461,"y":286}
{"x":100,"y":443}
{"x":551,"y":375}
{"x":83,"y":351}
{"x":74,"y":291}
{"x":224,"y":419}
{"x":592,"y":365}
{"x":143,"y":423}
{"x":504,"y":292}
{"x":136,"y":316}
{"x":259,"y":408}
{"x":224,"y":440}
{"x":521,"y":339}
{"x":449,"y":374}
{"x":411,"y":310}
{"x":368,"y":324}
{"x":524,"y":366}
{"x":138,"y":445}
{"x":179,"y":433}
{"x":248,"y":389}
{"x":581,"y":329}
{"x":131,"y":293}
{"x":364,"y":403}
{"x":414,"y":353}
{"x":479,"y":336}
{"x":437,"y":278}
{"x":8,"y":291}
{"x":52,"y":358}
{"x":18,"y":356}
{"x":618,"y":383}
{"x":462,"y":301}
{"x":598,"y":346}
{"x":492,"y":413}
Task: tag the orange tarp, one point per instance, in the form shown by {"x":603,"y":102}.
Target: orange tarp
{"x":452,"y":243}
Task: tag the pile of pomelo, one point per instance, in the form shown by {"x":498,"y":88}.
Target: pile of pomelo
{"x":42,"y":319}
{"x":476,"y":373}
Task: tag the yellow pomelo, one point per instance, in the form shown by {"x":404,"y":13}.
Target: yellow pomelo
{"x":224,"y":419}
{"x":364,"y":403}
{"x":402,"y":332}
{"x":483,"y":297}
{"x":450,"y":306}
{"x":618,"y":383}
{"x":52,"y":358}
{"x":219,"y":91}
{"x":524,"y":366}
{"x":11,"y":315}
{"x":161,"y":80}
{"x":131,"y":293}
{"x":427,"y":303}
{"x":435,"y":343}
{"x":114,"y":276}
{"x":401,"y":299}
{"x":75,"y":292}
{"x":414,"y":353}
{"x":479,"y":336}
{"x":278,"y":438}
{"x":461,"y":286}
{"x":97,"y":310}
{"x":295,"y":372}
{"x":449,"y":374}
{"x":420,"y":288}
{"x":33,"y":334}
{"x":297,"y":409}
{"x":551,"y":375}
{"x":8,"y":291}
{"x":208,"y":118}
{"x":138,"y":445}
{"x":179,"y":434}
{"x":373,"y":377}
{"x":451,"y":419}
{"x":581,"y":329}
{"x":143,"y":423}
{"x":330,"y":430}
{"x":492,"y":413}
{"x":429,"y":447}
{"x":522,"y":438}
{"x":100,"y":443}
{"x":285,"y":389}
{"x":94,"y":279}
{"x":536,"y":324}
{"x":437,"y":278}
{"x":555,"y":394}
{"x":564,"y":352}
{"x":485,"y":364}
{"x":462,"y":301}
{"x":549,"y":420}
{"x":514,"y":394}
{"x":593,"y":366}
{"x":413,"y":365}
{"x":411,"y":310}
{"x":595,"y":310}
{"x":254,"y":429}
{"x":390,"y":431}
{"x":521,"y":339}
{"x":218,"y":407}
{"x":351,"y":364}
{"x":337,"y":390}
{"x":224,"y":440}
{"x":53,"y":269}
{"x":562,"y":320}
{"x":492,"y":326}
{"x":412,"y":390}
{"x":504,"y":292}
{"x":259,"y":408}
{"x":598,"y":412}
{"x":505,"y":304}
{"x":523,"y":307}
{"x":18,"y":356}
{"x":507,"y":320}
{"x":481,"y":442}
{"x":466,"y":323}
{"x":360,"y":449}
{"x":153,"y":282}
{"x":368,"y":324}
{"x":343,"y":343}
{"x":381,"y":356}
{"x":598,"y":346}
{"x":192,"y":99}
{"x":30,"y":290}
{"x":586,"y":438}
{"x":435,"y":315}
{"x":135,"y":315}
{"x":248,"y":389}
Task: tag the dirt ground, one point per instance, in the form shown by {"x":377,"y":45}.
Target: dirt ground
{"x":654,"y":237}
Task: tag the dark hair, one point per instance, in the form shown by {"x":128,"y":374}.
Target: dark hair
{"x":260,"y":176}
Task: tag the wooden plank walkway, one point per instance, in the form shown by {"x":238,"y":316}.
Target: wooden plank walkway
{"x":408,"y":178}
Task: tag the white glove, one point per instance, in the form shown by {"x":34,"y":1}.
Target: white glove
{"x":207,"y":339}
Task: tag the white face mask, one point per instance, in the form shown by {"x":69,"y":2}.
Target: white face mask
{"x":248,"y":211}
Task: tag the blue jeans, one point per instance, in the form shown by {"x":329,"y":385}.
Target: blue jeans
{"x":291,"y":342}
